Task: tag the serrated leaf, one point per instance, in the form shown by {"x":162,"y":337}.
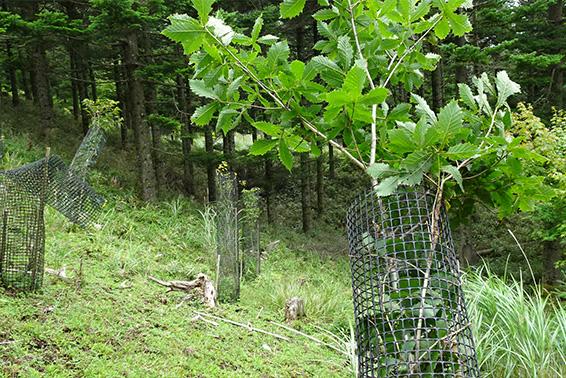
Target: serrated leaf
{"x":345,"y":51}
{"x":387,"y":186}
{"x":379,"y":170}
{"x":226,"y":120}
{"x":315,"y":149}
{"x":354,"y":82}
{"x":449,"y":120}
{"x":200,"y":89}
{"x":459,"y":23}
{"x":268,"y":128}
{"x":285,"y":155}
{"x":278,"y":52}
{"x":461,"y":151}
{"x":442,"y":29}
{"x":297,"y":69}
{"x":401,"y":140}
{"x":467,"y":96}
{"x":455,"y":173}
{"x":375,"y":96}
{"x":223,"y":32}
{"x":203,"y":7}
{"x":268,"y":39}
{"x":233,"y":86}
{"x":203,"y":114}
{"x":324,"y":63}
{"x":325,"y":14}
{"x":185,"y":30}
{"x":505,"y":87}
{"x":258,"y":25}
{"x":262,"y":146}
{"x":291,"y":8}
{"x":423,"y":109}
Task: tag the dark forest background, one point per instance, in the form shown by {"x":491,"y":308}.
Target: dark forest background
{"x":55,"y":54}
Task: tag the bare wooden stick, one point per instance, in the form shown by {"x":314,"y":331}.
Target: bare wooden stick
{"x":312,"y":338}
{"x":248,"y":326}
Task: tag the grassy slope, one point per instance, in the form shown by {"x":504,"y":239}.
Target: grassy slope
{"x":101,"y":329}
{"x":91,"y":326}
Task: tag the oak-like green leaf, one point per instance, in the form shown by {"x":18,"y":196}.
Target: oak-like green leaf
{"x":455,"y":173}
{"x":268,"y":128}
{"x":291,"y":8}
{"x":285,"y":155}
{"x":203,"y":7}
{"x":262,"y":146}
{"x":387,"y":186}
{"x":203,"y":114}
{"x":200,"y":89}
{"x":379,"y":170}
{"x":461,"y":151}
{"x":505,"y":87}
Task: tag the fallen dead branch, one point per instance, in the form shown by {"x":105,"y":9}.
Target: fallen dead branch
{"x":312,"y":338}
{"x":202,"y":284}
{"x":248,"y":326}
{"x":59,"y":273}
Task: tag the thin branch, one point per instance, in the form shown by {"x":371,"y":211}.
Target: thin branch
{"x":246,"y":326}
{"x":373,"y":148}
{"x":410,"y":50}
{"x":283,"y":106}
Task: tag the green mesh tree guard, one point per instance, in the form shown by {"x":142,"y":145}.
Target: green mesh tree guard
{"x":250,"y":233}
{"x":24,"y":193}
{"x":411,"y":318}
{"x":227,"y":237}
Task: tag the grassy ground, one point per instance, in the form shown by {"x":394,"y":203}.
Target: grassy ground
{"x":109,"y":320}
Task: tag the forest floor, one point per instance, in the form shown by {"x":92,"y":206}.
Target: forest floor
{"x":109,"y":320}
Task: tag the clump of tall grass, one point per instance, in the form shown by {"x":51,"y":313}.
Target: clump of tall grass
{"x":517,"y":334}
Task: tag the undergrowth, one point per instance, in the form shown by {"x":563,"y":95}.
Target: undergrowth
{"x":108,"y":320}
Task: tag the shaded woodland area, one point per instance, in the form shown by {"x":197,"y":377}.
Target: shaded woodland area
{"x":58,"y":53}
{"x":309,"y":103}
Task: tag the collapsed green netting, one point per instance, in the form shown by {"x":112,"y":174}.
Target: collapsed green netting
{"x":25,"y":191}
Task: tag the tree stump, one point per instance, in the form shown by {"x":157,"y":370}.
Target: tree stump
{"x":294,"y":309}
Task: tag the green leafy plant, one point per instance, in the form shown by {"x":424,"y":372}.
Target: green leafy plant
{"x":105,"y":113}
{"x":344,"y":95}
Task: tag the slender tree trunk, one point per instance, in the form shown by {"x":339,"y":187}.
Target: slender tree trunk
{"x":74,"y":85}
{"x":551,"y":254}
{"x":82,"y":87}
{"x":92,"y":81}
{"x":461,"y":69}
{"x":138,"y":117}
{"x":27,"y":84}
{"x":305,"y":192}
{"x":42,"y":81}
{"x":12,"y":75}
{"x":331,"y":162}
{"x":33,"y":80}
{"x":319,"y":185}
{"x":210,"y":169}
{"x":121,"y":96}
{"x":186,"y":136}
{"x":436,"y":81}
{"x":150,"y":98}
{"x":555,"y":16}
{"x":229,"y":146}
